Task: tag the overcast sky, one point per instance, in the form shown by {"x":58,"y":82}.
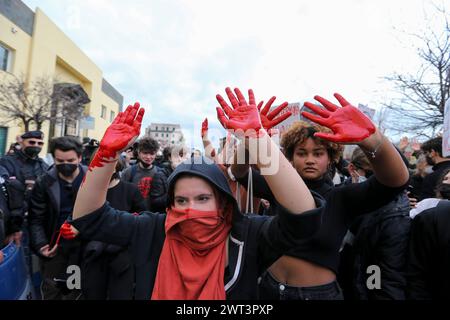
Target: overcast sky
{"x":174,"y":56}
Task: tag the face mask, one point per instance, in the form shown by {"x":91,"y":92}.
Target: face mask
{"x":66,"y":169}
{"x":361,"y":179}
{"x":199,"y":229}
{"x":32,"y":151}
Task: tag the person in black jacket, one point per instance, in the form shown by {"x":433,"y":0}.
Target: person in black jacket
{"x":106,"y":269}
{"x":51,"y":205}
{"x":433,"y":153}
{"x":379,"y":238}
{"x":222,"y":251}
{"x":309,"y":271}
{"x":429,"y":254}
{"x":25,"y":165}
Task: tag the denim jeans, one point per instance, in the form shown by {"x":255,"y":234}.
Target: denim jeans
{"x":271,"y":289}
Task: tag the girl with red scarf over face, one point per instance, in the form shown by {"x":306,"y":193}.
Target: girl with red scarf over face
{"x":203,"y":247}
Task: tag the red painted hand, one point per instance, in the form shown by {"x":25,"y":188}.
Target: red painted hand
{"x":349,"y":125}
{"x":204,"y":128}
{"x":119,"y":135}
{"x":67,"y":232}
{"x":269,"y":120}
{"x":242,"y":115}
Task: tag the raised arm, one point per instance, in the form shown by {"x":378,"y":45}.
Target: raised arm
{"x":210,"y":152}
{"x":244,"y":120}
{"x":119,"y":136}
{"x":351,"y":126}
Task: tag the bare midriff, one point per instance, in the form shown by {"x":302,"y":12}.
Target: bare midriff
{"x":300,"y":273}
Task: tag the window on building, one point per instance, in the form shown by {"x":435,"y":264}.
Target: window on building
{"x":5,"y":57}
{"x":156,"y":134}
{"x":112,"y":115}
{"x":156,"y":128}
{"x":103,"y":115}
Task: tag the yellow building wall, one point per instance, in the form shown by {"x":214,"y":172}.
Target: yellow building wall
{"x":20,"y":44}
{"x":51,"y":53}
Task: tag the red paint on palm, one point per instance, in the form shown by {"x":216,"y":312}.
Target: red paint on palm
{"x":119,"y":135}
{"x":242,"y":115}
{"x":347,"y":123}
{"x":270,"y":120}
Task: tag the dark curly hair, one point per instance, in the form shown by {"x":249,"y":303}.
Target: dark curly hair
{"x":300,"y":131}
{"x":147,"y":144}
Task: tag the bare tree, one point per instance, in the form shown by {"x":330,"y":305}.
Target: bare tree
{"x":41,"y":100}
{"x":419,"y":107}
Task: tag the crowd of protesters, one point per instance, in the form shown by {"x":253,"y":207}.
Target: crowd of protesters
{"x":146,"y":223}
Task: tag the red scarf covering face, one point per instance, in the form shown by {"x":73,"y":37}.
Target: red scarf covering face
{"x":192,"y":261}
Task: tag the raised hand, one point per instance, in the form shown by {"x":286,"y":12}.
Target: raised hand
{"x":349,"y":125}
{"x":269,"y":120}
{"x":204,"y":132}
{"x":119,"y":135}
{"x":242,"y":115}
{"x":404,"y":142}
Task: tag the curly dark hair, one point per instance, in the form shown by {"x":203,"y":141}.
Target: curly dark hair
{"x":300,"y":131}
{"x":147,"y":144}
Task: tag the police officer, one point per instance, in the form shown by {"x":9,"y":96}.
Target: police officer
{"x":25,"y":165}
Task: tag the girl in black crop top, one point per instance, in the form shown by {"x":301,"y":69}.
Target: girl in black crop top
{"x":308,"y":271}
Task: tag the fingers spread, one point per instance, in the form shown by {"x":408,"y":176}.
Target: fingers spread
{"x":341,"y":100}
{"x":222,"y":118}
{"x":320,"y":111}
{"x":327,"y":104}
{"x":260,"y":105}
{"x":234,"y":102}
{"x":224,"y":105}
{"x":275,"y":112}
{"x":138,"y":122}
{"x":316,"y":119}
{"x":251,"y":97}
{"x":281,"y":118}
{"x":266,"y":108}
{"x":240,"y":97}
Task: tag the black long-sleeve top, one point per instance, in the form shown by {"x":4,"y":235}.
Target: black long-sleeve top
{"x":343,"y":204}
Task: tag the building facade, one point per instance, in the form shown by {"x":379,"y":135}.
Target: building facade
{"x":165,"y":133}
{"x":32,"y":46}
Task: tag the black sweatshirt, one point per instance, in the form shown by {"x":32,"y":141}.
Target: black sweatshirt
{"x":429,"y":254}
{"x":255,"y":242}
{"x":343,"y":204}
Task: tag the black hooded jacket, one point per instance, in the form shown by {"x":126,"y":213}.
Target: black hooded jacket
{"x":255,"y":242}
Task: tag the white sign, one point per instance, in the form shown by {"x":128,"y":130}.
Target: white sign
{"x":446,"y":136}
